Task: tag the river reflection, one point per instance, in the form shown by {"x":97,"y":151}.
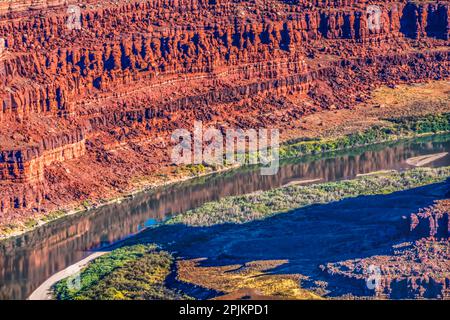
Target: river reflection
{"x":28,"y":260}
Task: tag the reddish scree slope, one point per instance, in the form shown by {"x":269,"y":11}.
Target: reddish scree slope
{"x":84,"y":111}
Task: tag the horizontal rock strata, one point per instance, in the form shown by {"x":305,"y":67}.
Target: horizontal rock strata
{"x":99,"y":88}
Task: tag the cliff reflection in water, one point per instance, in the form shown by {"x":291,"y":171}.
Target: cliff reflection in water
{"x":28,"y":260}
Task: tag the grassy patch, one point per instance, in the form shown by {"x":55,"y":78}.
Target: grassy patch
{"x":9,"y":228}
{"x":54,"y":215}
{"x":395,"y":129}
{"x":196,"y":169}
{"x":135,"y":272}
{"x":432,"y":123}
{"x":30,"y":223}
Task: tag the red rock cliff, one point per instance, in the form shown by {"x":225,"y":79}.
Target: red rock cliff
{"x":88,"y":101}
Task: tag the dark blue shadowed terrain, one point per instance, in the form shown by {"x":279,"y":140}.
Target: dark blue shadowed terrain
{"x":307,"y":237}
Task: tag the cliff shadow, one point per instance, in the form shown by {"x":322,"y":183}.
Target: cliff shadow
{"x":408,"y":21}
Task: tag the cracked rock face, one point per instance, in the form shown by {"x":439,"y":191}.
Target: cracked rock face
{"x":418,"y":269}
{"x":90,"y":95}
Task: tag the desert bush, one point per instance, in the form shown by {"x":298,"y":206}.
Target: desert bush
{"x":96,"y":277}
{"x":140,"y":279}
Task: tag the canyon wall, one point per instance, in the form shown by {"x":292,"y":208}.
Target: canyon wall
{"x":99,"y":87}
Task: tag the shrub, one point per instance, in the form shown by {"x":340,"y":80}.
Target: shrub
{"x":101,"y":267}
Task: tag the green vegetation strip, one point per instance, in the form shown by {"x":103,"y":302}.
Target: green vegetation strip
{"x":395,"y":129}
{"x":135,"y":272}
{"x":260,"y":205}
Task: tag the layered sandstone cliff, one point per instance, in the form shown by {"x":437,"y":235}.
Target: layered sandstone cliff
{"x":90,"y":94}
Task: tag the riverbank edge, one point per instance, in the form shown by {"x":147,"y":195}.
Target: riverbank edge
{"x":45,"y":292}
{"x":49,"y":290}
{"x":287,"y":151}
